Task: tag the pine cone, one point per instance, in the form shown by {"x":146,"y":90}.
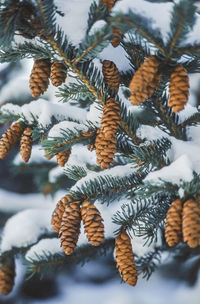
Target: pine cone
{"x":26,"y":144}
{"x":111,"y":75}
{"x":105,"y":149}
{"x":191,"y":223}
{"x":62,"y":157}
{"x":9,"y":138}
{"x":7,"y":274}
{"x":48,"y":157}
{"x":111,"y":119}
{"x":144,"y":81}
{"x":70,"y":227}
{"x":173,"y":229}
{"x":39,"y":79}
{"x":92,"y":222}
{"x":178,"y":89}
{"x":125,"y":258}
{"x":57,"y":214}
{"x":58,"y":73}
{"x":108,"y":3}
{"x":117,"y":37}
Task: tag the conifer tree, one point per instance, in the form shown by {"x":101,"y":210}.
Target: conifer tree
{"x":138,"y":125}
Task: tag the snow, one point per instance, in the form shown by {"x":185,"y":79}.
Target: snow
{"x":44,"y":111}
{"x":55,"y":173}
{"x":177,"y":171}
{"x":35,"y":223}
{"x":95,"y":113}
{"x":44,"y":246}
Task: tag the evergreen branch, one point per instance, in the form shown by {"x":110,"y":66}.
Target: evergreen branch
{"x":75,"y":172}
{"x":47,"y":15}
{"x":93,"y":45}
{"x":74,"y":91}
{"x":182,"y":21}
{"x":191,"y":121}
{"x":82,"y":254}
{"x":106,"y":185}
{"x":65,"y":142}
{"x":147,"y":264}
{"x":192,"y":65}
{"x":189,"y":49}
{"x":153,"y":154}
{"x":25,"y":50}
{"x":134,"y":22}
{"x":96,"y":12}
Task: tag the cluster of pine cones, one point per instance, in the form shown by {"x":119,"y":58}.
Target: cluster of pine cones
{"x":42,"y":70}
{"x":183,"y":222}
{"x":11,"y":136}
{"x":146,"y":80}
{"x":66,"y":220}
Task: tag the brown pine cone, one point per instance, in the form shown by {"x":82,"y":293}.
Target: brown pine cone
{"x":62,"y":157}
{"x":39,"y":79}
{"x":70,"y":227}
{"x":108,"y":3}
{"x":117,"y":37}
{"x":105,"y":150}
{"x":9,"y":138}
{"x":111,"y":119}
{"x":144,"y":81}
{"x":57,"y":214}
{"x":111,"y":76}
{"x":26,"y":144}
{"x":58,"y":73}
{"x":191,"y":223}
{"x":178,"y":89}
{"x":173,"y":229}
{"x":92,"y":222}
{"x":125,"y":258}
{"x":7,"y":274}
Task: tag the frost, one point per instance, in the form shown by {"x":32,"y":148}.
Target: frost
{"x":179,"y":170}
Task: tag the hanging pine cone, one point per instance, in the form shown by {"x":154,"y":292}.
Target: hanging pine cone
{"x":111,"y":76}
{"x":105,"y":149}
{"x":178,"y":89}
{"x":125,"y":258}
{"x":111,"y":119}
{"x":70,"y":227}
{"x":58,"y":73}
{"x":26,"y":144}
{"x":39,"y":79}
{"x":7,"y":274}
{"x":92,"y":222}
{"x":57,"y":214}
{"x":62,"y":157}
{"x":117,"y":37}
{"x":108,"y":3}
{"x":144,"y":81}
{"x":173,"y":229}
{"x":191,"y":223}
{"x":9,"y":138}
